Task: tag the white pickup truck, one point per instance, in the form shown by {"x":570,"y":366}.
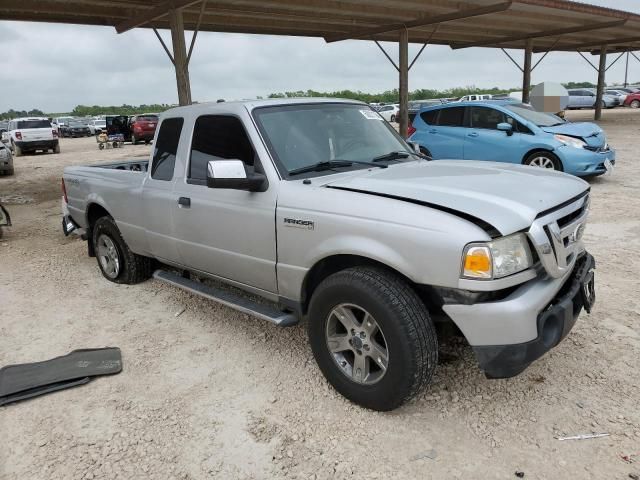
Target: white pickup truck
{"x":316,"y":209}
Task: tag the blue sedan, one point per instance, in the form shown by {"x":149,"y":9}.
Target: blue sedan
{"x":502,"y":131}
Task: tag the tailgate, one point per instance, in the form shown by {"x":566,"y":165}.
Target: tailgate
{"x":32,"y":134}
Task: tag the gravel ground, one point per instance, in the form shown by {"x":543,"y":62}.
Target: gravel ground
{"x":211,"y":393}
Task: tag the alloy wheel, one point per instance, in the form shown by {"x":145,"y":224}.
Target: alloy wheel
{"x":108,"y":256}
{"x":357,"y":344}
{"x":542,"y":162}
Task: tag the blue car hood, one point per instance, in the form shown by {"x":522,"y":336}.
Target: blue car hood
{"x":589,"y":132}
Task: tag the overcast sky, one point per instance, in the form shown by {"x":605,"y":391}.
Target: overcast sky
{"x":56,"y":67}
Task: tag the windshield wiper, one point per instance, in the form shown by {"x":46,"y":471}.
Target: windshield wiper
{"x":329,"y":164}
{"x":391,"y":156}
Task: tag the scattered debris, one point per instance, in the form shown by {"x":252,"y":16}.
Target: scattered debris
{"x":519,"y":474}
{"x":538,"y":379}
{"x":629,"y":458}
{"x":585,"y":436}
{"x":180,"y":312}
{"x":430,"y":454}
{"x":634,"y":476}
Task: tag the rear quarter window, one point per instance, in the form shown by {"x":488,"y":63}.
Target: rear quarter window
{"x":430,"y":117}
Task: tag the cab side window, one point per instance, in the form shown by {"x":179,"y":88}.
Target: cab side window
{"x":217,"y":137}
{"x":166,"y":148}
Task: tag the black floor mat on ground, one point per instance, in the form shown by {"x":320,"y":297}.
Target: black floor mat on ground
{"x":19,"y":382}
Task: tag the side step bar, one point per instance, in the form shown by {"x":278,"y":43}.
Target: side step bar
{"x":228,"y":298}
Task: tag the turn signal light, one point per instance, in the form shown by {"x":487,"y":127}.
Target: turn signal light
{"x":477,"y":262}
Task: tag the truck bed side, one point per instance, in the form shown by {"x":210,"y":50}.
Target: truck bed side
{"x":116,"y":188}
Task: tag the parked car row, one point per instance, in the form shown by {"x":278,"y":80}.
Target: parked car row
{"x":509,"y":132}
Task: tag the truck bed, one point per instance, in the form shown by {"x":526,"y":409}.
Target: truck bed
{"x":132,"y":165}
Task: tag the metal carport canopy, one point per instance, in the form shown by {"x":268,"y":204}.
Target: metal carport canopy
{"x":532,"y":25}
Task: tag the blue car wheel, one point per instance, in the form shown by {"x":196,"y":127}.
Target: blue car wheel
{"x":543,"y":160}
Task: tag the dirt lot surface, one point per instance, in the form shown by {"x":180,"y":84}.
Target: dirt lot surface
{"x":211,"y":393}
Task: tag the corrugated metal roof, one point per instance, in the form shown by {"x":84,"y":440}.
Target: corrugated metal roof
{"x":550,"y":24}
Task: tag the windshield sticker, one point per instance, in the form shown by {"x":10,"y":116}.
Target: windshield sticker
{"x":370,"y":115}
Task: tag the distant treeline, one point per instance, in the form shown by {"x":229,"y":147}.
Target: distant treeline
{"x":388,"y":96}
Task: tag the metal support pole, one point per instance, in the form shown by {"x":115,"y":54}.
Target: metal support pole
{"x":180,"y":57}
{"x":403,"y":68}
{"x":626,"y":72}
{"x":526,"y":71}
{"x":601,"y":72}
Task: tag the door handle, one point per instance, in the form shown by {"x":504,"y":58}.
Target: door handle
{"x":184,"y":202}
{"x":433,"y":130}
{"x":473,"y":134}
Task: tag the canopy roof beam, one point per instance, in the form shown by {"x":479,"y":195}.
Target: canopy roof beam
{"x":153,"y":14}
{"x":587,"y":45}
{"x":541,"y":34}
{"x":420,"y":22}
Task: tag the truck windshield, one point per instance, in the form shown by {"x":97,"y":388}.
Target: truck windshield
{"x":34,"y":124}
{"x":301,"y":135}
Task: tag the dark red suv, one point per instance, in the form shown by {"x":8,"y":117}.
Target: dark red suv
{"x":143,"y":127}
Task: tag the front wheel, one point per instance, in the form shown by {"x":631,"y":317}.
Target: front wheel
{"x":372,"y":337}
{"x":543,"y":160}
{"x":117,"y":262}
{"x":393,"y":119}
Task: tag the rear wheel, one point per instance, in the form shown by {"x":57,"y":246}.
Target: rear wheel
{"x":56,"y":149}
{"x":117,"y":262}
{"x":543,"y":160}
{"x":635,"y":104}
{"x":372,"y":337}
{"x":17,"y":151}
{"x":393,"y":119}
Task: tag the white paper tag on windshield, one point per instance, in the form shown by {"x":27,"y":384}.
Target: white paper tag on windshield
{"x":370,"y":115}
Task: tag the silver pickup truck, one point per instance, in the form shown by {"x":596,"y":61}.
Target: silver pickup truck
{"x":317,"y":209}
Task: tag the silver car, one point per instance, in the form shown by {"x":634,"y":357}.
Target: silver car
{"x":586,"y":98}
{"x":6,"y":160}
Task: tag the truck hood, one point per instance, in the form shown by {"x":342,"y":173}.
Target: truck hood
{"x":589,"y":132}
{"x":506,"y":197}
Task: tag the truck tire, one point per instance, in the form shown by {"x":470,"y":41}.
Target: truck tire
{"x":56,"y":149}
{"x":371,"y":318}
{"x":116,"y":261}
{"x":543,"y":159}
{"x":17,"y":151}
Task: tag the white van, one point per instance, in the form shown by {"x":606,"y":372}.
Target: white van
{"x":31,"y":134}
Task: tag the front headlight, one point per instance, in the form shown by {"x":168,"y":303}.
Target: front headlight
{"x":499,"y":258}
{"x":570,"y":141}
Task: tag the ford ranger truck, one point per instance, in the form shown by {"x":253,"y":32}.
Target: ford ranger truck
{"x":317,"y":209}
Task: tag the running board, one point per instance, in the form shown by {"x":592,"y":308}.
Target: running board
{"x":228,"y":298}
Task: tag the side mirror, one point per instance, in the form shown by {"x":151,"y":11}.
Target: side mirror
{"x":233,"y":174}
{"x":505,"y":127}
{"x":415,"y":146}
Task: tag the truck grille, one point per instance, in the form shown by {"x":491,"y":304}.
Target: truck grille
{"x":557,"y":236}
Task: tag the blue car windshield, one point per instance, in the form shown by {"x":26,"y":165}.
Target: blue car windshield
{"x":541,"y":119}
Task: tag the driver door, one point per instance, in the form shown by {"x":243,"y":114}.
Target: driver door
{"x":225,"y":232}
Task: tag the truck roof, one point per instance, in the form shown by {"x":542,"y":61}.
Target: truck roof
{"x":243,"y":105}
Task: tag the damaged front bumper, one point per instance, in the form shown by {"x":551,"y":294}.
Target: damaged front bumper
{"x":530,"y":321}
